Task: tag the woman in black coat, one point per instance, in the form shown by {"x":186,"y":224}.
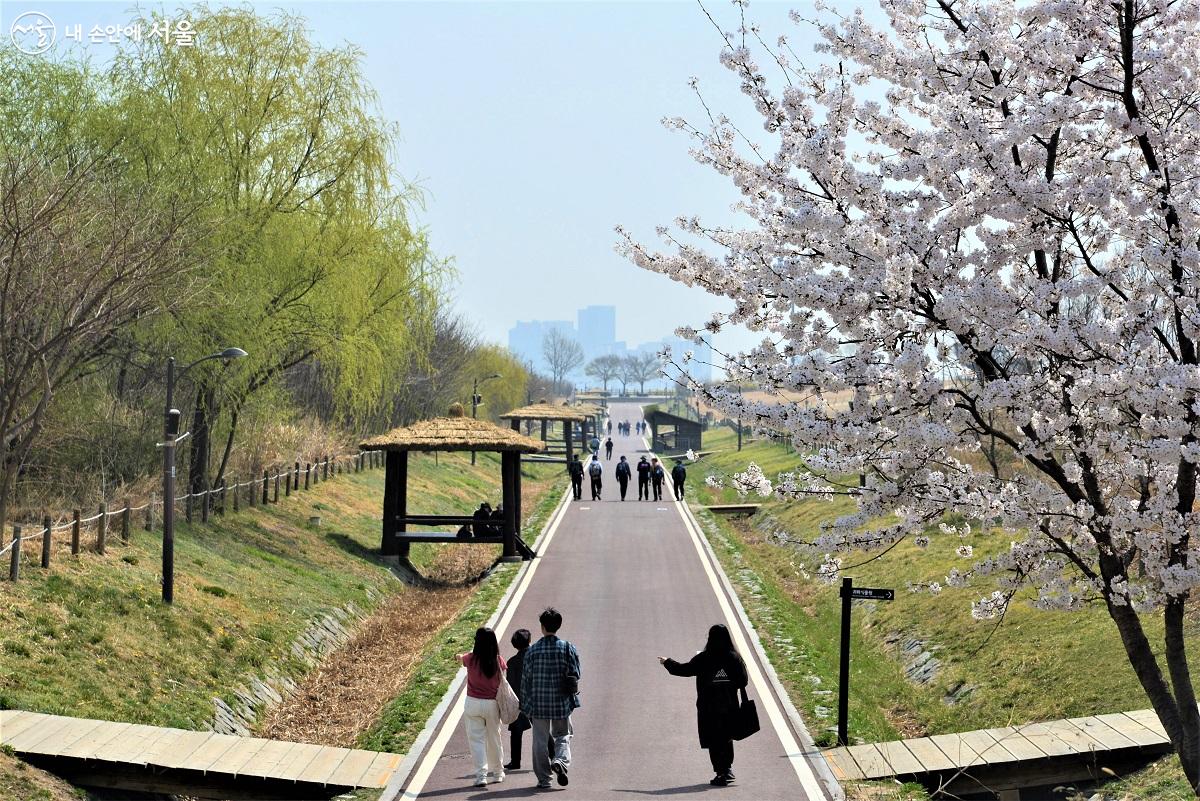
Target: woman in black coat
{"x":720,"y":673}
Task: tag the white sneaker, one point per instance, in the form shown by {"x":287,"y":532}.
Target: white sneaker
{"x":496,"y":777}
{"x":481,"y":781}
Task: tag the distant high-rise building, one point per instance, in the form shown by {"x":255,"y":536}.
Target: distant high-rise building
{"x":525,"y":339}
{"x":597,"y":330}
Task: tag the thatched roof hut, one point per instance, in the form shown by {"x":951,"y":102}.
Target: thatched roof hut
{"x":456,"y":432}
{"x":545,"y":411}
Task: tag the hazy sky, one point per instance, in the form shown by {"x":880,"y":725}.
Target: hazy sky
{"x":533,"y":129}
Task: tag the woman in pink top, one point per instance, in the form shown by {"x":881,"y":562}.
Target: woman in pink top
{"x":485,"y":670}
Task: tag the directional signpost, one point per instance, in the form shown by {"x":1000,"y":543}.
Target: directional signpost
{"x":850,"y":593}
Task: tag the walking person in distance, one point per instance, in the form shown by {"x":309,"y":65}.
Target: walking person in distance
{"x":575,"y":469}
{"x":720,"y":673}
{"x":678,"y":476}
{"x":657,"y":474}
{"x":623,"y":473}
{"x":595,"y":471}
{"x":485,"y":670}
{"x":608,"y":446}
{"x":643,"y":471}
{"x":549,"y":694}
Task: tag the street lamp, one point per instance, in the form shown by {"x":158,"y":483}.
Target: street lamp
{"x":475,"y":399}
{"x":170,"y":440}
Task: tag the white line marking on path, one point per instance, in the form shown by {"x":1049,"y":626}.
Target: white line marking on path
{"x":795,"y":755}
{"x":804,"y":771}
{"x":429,"y":762}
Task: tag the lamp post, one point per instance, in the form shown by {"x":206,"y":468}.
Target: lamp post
{"x":475,"y":399}
{"x":170,"y":440}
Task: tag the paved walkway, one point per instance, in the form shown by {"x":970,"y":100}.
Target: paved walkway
{"x":633,"y":580}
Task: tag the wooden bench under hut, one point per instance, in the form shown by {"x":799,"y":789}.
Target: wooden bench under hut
{"x":557,"y":451}
{"x":456,"y":432}
{"x":590,"y":426}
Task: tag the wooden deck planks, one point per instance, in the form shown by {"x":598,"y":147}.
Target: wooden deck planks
{"x":13,"y":724}
{"x":929,"y":755}
{"x":1147,"y":718}
{"x":86,"y":747}
{"x":130,"y":745}
{"x":352,"y":768}
{"x":842,"y":764}
{"x":986,"y":746}
{"x":1013,"y":741}
{"x":958,"y":750}
{"x":1109,"y":738}
{"x":172,"y":747}
{"x":297,"y":760}
{"x":380,"y":771}
{"x":44,"y":732}
{"x":264,"y":762}
{"x":1132,"y":729}
{"x":71,"y":735}
{"x":900,"y":758}
{"x":870,"y":761}
{"x":325,"y":764}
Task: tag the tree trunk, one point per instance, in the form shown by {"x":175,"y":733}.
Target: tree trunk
{"x":233,"y":419}
{"x":206,"y":412}
{"x":1181,"y":729}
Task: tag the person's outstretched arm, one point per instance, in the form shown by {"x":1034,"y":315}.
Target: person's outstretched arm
{"x":688,"y":668}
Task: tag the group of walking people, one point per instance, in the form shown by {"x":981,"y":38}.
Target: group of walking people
{"x":544,"y":678}
{"x":650,"y":477}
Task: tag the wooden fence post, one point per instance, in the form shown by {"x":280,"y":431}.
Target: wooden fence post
{"x":205,"y":503}
{"x":102,"y":529}
{"x":287,"y":488}
{"x":14,"y":562}
{"x":75,"y":515}
{"x":150,"y":511}
{"x":266,"y":488}
{"x":276,"y":494}
{"x":325,"y":469}
{"x":307,"y":473}
{"x":125,"y":522}
{"x":296,"y":485}
{"x":187,"y":506}
{"x":224,"y":487}
{"x":235,"y":496}
{"x":46,"y":532}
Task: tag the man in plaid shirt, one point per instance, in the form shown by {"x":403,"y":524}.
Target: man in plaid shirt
{"x":549,"y":693}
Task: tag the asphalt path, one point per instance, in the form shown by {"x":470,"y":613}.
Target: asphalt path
{"x":633,"y":582}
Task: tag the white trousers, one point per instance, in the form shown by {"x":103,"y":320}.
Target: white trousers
{"x":482,"y":718}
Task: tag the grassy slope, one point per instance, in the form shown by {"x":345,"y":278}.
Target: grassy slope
{"x":90,"y":636}
{"x":1036,"y":666}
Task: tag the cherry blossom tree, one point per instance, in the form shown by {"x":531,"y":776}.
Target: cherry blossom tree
{"x":982,"y":224}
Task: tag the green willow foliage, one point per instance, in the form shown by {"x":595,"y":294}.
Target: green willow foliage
{"x":310,"y":253}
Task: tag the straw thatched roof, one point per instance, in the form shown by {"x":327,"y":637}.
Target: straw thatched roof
{"x":545,"y":411}
{"x":453,"y":433}
{"x":589,"y":409}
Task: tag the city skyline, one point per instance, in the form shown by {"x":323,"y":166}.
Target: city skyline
{"x":594,"y":328}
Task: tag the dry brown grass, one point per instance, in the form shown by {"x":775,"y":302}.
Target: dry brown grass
{"x":344,"y":696}
{"x":20,"y":780}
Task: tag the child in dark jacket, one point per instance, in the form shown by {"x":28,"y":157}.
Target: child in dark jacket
{"x":520,"y":640}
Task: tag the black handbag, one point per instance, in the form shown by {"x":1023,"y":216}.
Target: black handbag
{"x":745,"y":719}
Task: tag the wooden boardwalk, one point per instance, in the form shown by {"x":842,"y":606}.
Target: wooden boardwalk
{"x":1007,"y":757}
{"x":34,"y":735}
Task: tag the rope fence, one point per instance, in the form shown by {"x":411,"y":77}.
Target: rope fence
{"x":213,"y":500}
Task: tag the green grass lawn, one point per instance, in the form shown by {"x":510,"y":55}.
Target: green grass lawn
{"x":1035,"y":666}
{"x":90,"y":637}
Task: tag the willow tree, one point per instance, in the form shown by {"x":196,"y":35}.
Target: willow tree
{"x":87,"y":248}
{"x":311,"y":252}
{"x":983,"y":223}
